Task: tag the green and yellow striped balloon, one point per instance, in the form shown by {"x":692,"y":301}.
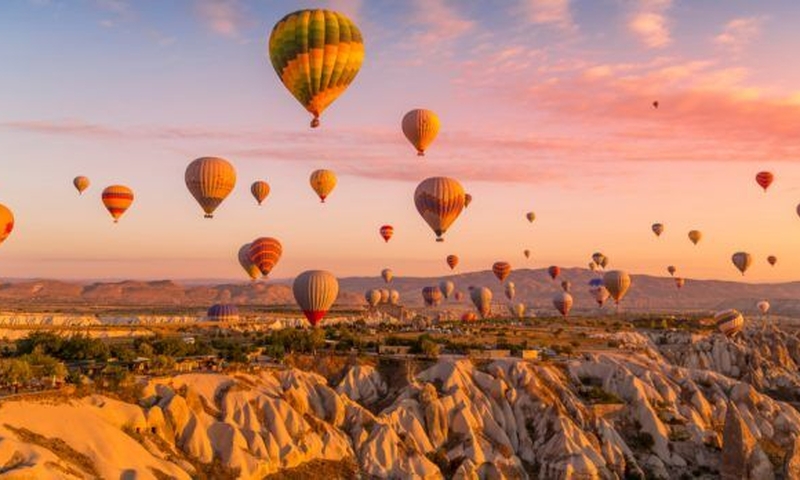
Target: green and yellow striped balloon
{"x":317,"y":54}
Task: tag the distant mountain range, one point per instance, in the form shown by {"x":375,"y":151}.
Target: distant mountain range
{"x":533,"y":287}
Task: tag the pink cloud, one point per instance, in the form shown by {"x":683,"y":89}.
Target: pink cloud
{"x":649,"y":22}
{"x":223,"y":17}
{"x":739,"y":32}
{"x":551,"y":12}
{"x":440,"y":23}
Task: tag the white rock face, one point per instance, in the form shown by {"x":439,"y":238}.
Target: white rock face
{"x":507,"y":419}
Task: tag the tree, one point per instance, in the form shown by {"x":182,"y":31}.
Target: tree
{"x":15,"y":372}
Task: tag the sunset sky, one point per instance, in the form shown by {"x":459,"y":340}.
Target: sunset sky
{"x":545,"y":106}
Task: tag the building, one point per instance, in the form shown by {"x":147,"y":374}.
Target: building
{"x":529,"y":354}
{"x":393,"y":350}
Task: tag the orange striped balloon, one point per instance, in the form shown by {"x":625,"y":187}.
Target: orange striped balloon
{"x":439,"y":200}
{"x":117,"y":199}
{"x":420,"y":127}
{"x":315,"y":291}
{"x":265,"y":253}
{"x":432,"y":296}
{"x":452,"y":261}
{"x":386,"y":232}
{"x":210,"y":180}
{"x":501,"y":270}
{"x":729,"y":322}
{"x":260,"y":190}
{"x":6,"y":223}
{"x":679,"y":282}
{"x":764,"y":179}
{"x":563,"y":303}
{"x":323,"y":182}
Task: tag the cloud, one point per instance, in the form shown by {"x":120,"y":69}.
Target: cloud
{"x":440,"y":23}
{"x":551,"y":12}
{"x":739,"y":33}
{"x":649,"y":22}
{"x":223,"y":17}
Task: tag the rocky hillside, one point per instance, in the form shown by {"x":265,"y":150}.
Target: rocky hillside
{"x":629,"y":414}
{"x":534,"y":287}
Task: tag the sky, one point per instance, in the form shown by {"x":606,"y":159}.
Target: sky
{"x":545,"y":106}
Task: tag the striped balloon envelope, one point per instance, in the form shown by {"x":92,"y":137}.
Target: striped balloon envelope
{"x":501,"y":270}
{"x":386,"y":232}
{"x":439,"y":200}
{"x":373,"y":297}
{"x":81,"y":183}
{"x":452,"y":261}
{"x":432,"y":296}
{"x":563,"y":303}
{"x":265,"y":252}
{"x":510,"y":290}
{"x":764,"y":179}
{"x":447,"y":287}
{"x":244,"y":260}
{"x":420,"y":127}
{"x":387,"y":274}
{"x":517,"y":310}
{"x":553,"y":271}
{"x":315,"y":291}
{"x":223,"y":313}
{"x":260,"y":190}
{"x":210,"y":180}
{"x":469,"y":317}
{"x":394,"y":297}
{"x":729,"y":322}
{"x":117,"y":199}
{"x":386,"y":295}
{"x":316,"y":54}
{"x":482,"y":299}
{"x":6,"y":223}
{"x":617,"y":282}
{"x":322,"y":182}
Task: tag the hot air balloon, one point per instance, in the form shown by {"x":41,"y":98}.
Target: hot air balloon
{"x":323,"y":182}
{"x":596,"y":282}
{"x":447,"y":287}
{"x":764,"y":179}
{"x":6,"y":223}
{"x":501,"y":270}
{"x":386,"y":295}
{"x":617,"y":282}
{"x":260,"y":190}
{"x":467,"y":200}
{"x":566,"y":285}
{"x":729,"y":322}
{"x":420,"y":127}
{"x":452,"y":261}
{"x":316,"y":54}
{"x":265,"y":252}
{"x":244,"y":260}
{"x":671,"y":269}
{"x":527,"y":253}
{"x":387,"y":275}
{"x":439,"y":200}
{"x":469,"y":317}
{"x":117,"y":199}
{"x":593,"y":266}
{"x":695,"y":236}
{"x":210,"y":180}
{"x":386,"y":232}
{"x":530,"y":216}
{"x":772,"y":260}
{"x":742,"y":261}
{"x":394,"y":297}
{"x":315,"y":291}
{"x":598,"y":258}
{"x":655,"y":104}
{"x":373,"y":297}
{"x":223,"y":313}
{"x":680,"y":282}
{"x":459,"y":296}
{"x":81,"y":183}
{"x":601,"y":295}
{"x":510,"y":290}
{"x":517,"y":310}
{"x":763,"y":306}
{"x":563,"y":303}
{"x":658,"y":229}
{"x":482,"y":299}
{"x":553,"y":271}
{"x":432,"y":296}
